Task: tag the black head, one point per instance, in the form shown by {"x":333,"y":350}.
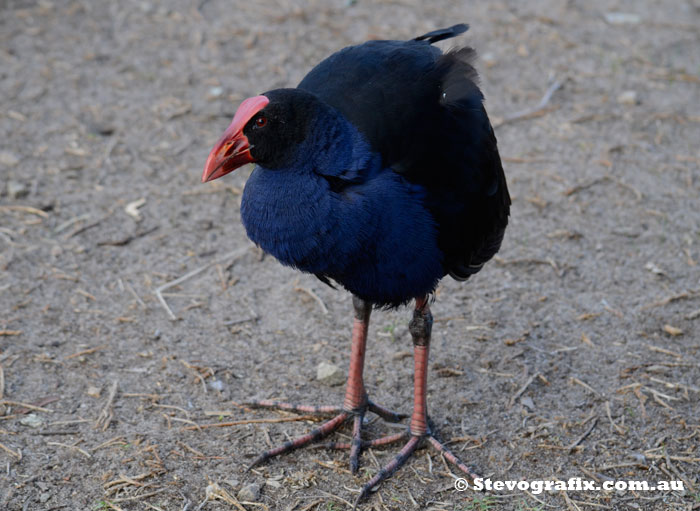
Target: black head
{"x":276,"y":132}
{"x":266,"y":129}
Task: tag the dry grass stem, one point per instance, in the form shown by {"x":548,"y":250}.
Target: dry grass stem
{"x":73,"y":447}
{"x":535,"y":111}
{"x":665,"y":351}
{"x":585,"y":386}
{"x":216,"y":492}
{"x":24,"y":209}
{"x":116,"y":440}
{"x":86,"y":352}
{"x":254,"y":421}
{"x":16,"y":454}
{"x":226,"y":258}
{"x":583,"y":436}
{"x":139,"y":497}
{"x":521,"y":390}
{"x":25,"y":405}
{"x":106,"y":414}
{"x":313,"y":295}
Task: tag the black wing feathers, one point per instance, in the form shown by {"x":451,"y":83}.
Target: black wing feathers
{"x":423,"y":112}
{"x":368,"y":84}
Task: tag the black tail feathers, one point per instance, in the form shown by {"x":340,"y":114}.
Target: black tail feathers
{"x":443,"y":33}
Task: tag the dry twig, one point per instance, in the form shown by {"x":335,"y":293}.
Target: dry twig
{"x":619,"y":429}
{"x":535,"y":111}
{"x":159,"y":291}
{"x":583,"y":436}
{"x":17,"y":454}
{"x":659,"y":349}
{"x":673,"y":298}
{"x":216,"y":492}
{"x":73,"y":447}
{"x":585,"y":386}
{"x":253,"y":421}
{"x":86,"y":352}
{"x":25,"y":209}
{"x":313,"y":295}
{"x":522,"y":389}
{"x":25,"y":405}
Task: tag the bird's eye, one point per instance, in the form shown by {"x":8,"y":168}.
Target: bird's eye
{"x":261,"y":121}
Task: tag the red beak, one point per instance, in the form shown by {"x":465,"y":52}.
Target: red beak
{"x":233,"y":149}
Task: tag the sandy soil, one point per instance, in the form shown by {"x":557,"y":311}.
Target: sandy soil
{"x":575,"y":354}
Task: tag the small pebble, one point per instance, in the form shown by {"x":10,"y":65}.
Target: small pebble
{"x":628,"y":97}
{"x":658,"y":369}
{"x":8,"y":159}
{"x":102,"y":128}
{"x":640,"y":458}
{"x":653,"y":268}
{"x":528,"y":403}
{"x":204,"y":225}
{"x":17,"y":189}
{"x":523,"y":51}
{"x":672,"y":330}
{"x":32,"y":420}
{"x":249,"y":493}
{"x":489,"y":59}
{"x":93,"y":391}
{"x":330,"y":374}
{"x":215,"y":92}
{"x":622,"y":18}
{"x":216,"y":385}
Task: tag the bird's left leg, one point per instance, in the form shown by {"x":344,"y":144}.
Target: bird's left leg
{"x":419,"y":429}
{"x":355,"y":404}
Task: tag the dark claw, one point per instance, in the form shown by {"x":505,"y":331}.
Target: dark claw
{"x":390,"y":467}
{"x":413,"y":443}
{"x":257,"y":461}
{"x":452,"y":458}
{"x":356,"y":444}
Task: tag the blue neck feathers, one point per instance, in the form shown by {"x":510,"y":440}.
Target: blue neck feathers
{"x":336,"y":212}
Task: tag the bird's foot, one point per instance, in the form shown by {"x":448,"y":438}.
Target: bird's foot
{"x":414,"y":442}
{"x":341,"y":416}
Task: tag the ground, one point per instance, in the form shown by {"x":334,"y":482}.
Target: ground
{"x":575,"y":353}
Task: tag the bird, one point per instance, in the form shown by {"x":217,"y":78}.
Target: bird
{"x":379,"y":173}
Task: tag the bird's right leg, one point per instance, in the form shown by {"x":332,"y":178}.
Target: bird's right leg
{"x":355,"y":404}
{"x":419,"y":428}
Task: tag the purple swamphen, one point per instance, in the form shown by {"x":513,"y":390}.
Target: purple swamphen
{"x":379,"y":172}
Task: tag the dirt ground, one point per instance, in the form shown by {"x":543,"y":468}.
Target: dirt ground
{"x":575,"y":353}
